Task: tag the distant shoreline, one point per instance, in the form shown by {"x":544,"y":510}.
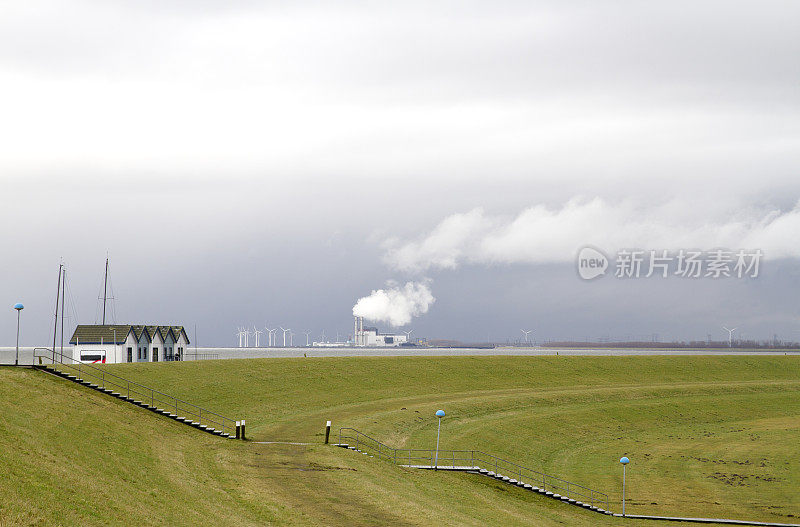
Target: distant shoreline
{"x":26,"y":353}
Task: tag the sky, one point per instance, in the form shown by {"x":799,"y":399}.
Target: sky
{"x":439,"y":166}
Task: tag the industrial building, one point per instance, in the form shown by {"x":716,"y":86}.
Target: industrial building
{"x":128,"y":343}
{"x":370,"y":337}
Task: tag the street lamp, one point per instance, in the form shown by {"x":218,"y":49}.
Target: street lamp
{"x":439,"y":414}
{"x":624,"y":460}
{"x":19,"y":307}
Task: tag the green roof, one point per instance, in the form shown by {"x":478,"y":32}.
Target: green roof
{"x":97,"y":333}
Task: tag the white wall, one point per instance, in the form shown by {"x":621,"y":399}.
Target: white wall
{"x":130,"y":342}
{"x":113,"y":353}
{"x":183,"y":344}
{"x":376,"y":340}
{"x":157,"y":346}
{"x":81,"y":350}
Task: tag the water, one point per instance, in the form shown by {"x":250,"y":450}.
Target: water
{"x":26,"y":353}
{"x":7,"y":354}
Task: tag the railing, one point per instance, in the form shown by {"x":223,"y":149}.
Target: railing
{"x":474,"y":459}
{"x":200,"y":356}
{"x":134,"y":390}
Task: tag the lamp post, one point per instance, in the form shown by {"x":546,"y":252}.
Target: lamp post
{"x":439,"y":414}
{"x":624,"y":460}
{"x":19,"y":307}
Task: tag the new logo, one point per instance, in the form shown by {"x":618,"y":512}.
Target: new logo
{"x":591,"y":263}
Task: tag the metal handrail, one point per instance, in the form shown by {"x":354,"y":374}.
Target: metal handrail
{"x":202,"y":356}
{"x":147,"y":394}
{"x":472,"y":459}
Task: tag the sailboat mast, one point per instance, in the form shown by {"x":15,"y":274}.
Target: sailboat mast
{"x":63,"y":294}
{"x":105,"y":289}
{"x":55,"y":324}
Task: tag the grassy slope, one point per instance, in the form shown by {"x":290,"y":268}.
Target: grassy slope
{"x":707,"y":436}
{"x":72,"y":456}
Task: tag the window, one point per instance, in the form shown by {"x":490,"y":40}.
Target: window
{"x":155,"y":354}
{"x":130,"y":354}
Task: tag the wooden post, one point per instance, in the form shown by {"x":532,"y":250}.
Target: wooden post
{"x":327,"y":431}
{"x":244,"y":424}
{"x":238,"y":429}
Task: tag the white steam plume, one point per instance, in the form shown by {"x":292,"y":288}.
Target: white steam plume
{"x":543,"y":235}
{"x":396,"y":304}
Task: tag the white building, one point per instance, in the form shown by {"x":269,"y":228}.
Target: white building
{"x":370,"y":337}
{"x":128,"y":343}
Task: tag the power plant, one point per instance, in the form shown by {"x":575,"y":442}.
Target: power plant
{"x":370,"y":337}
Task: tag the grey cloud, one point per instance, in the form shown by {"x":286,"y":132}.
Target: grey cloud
{"x":278,"y":146}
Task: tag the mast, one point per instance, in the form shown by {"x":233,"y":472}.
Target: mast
{"x":105,"y":289}
{"x":55,"y":324}
{"x":63,"y":294}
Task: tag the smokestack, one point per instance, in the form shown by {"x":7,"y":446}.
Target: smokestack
{"x":361,"y":331}
{"x":355,"y":331}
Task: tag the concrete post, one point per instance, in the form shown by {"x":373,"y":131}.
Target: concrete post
{"x":244,"y":424}
{"x":327,"y":431}
{"x":238,"y":429}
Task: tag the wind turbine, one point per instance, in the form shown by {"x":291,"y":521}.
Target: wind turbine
{"x":730,"y":335}
{"x":284,"y":335}
{"x":257,"y":332}
{"x":240,"y":335}
{"x":246,"y":334}
{"x":408,"y":334}
{"x":307,"y":334}
{"x":272,"y":338}
{"x":243,"y":332}
{"x":526,"y":332}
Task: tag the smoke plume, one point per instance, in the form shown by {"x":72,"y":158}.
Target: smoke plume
{"x":396,"y":304}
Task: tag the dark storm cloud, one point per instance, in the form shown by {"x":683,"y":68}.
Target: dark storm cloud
{"x":257,"y":156}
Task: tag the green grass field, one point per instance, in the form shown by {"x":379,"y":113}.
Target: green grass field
{"x":707,"y":436}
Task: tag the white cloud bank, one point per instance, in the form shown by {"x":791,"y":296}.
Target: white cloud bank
{"x":550,"y":235}
{"x":396,"y":304}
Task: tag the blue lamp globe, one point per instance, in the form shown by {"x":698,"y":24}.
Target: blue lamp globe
{"x":439,"y":413}
{"x":18,"y":306}
{"x":624,"y":460}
